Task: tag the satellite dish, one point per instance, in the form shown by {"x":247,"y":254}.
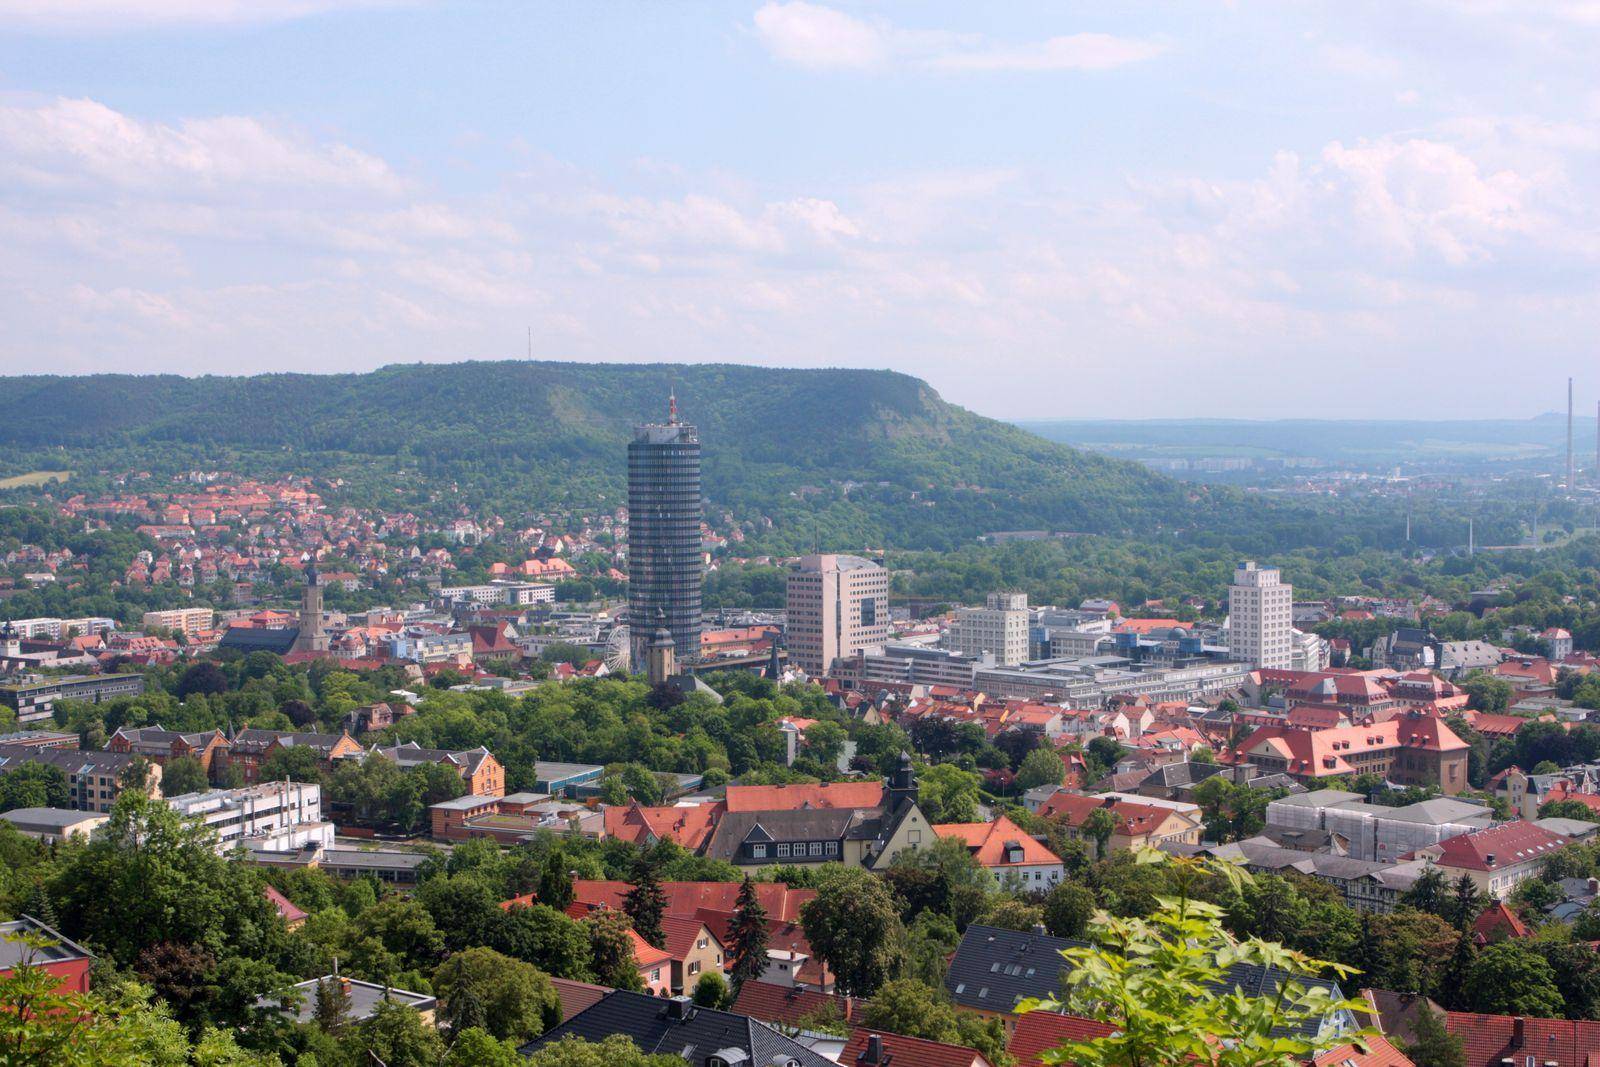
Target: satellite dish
{"x":618,"y":657}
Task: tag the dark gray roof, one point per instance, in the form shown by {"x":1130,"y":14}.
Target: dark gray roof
{"x":68,"y":760}
{"x":259,"y":639}
{"x":363,"y":999}
{"x":807,"y":824}
{"x":15,"y":952}
{"x":650,"y":1023}
{"x":993,"y":969}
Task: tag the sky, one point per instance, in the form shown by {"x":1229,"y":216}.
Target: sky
{"x":1247,"y":209}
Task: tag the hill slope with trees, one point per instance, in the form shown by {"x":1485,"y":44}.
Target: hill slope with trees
{"x":833,"y":457}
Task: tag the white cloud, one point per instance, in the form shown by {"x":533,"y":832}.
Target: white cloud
{"x":817,"y":37}
{"x":810,"y":35}
{"x":97,"y":16}
{"x":83,"y":141}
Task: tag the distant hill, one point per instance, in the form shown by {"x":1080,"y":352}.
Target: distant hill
{"x":834,"y":457}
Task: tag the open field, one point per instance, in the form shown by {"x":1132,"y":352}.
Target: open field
{"x":34,"y":478}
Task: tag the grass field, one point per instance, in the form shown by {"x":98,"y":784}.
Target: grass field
{"x":34,"y":478}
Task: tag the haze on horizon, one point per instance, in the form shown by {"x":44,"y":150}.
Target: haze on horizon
{"x":1220,"y":209}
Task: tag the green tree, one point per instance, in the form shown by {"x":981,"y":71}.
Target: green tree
{"x":854,"y":927}
{"x":396,"y":1035}
{"x":1465,"y":904}
{"x":1432,"y":1045}
{"x":1009,"y":913}
{"x":331,"y":1007}
{"x":611,"y":949}
{"x":1161,"y":984}
{"x":474,"y":1047}
{"x":907,"y":1006}
{"x":555,"y":881}
{"x":946,"y":793}
{"x":747,"y":952}
{"x":1042,"y":766}
{"x":34,"y":785}
{"x":1427,"y":893}
{"x":646,"y":903}
{"x":550,"y":940}
{"x":185,"y":774}
{"x":518,"y":1000}
{"x":614,"y":1051}
{"x":294,"y":763}
{"x":1485,"y":692}
{"x":711,"y":991}
{"x":1099,"y":826}
{"x":1068,"y":909}
{"x":1509,"y":978}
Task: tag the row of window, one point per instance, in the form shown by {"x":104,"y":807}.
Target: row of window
{"x":797,"y":850}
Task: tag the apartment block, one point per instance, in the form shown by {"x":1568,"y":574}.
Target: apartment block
{"x":999,"y":628}
{"x":1261,"y":617}
{"x":837,"y":606}
{"x":188,"y":621}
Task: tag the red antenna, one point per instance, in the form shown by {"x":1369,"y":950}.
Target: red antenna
{"x":672,"y":407}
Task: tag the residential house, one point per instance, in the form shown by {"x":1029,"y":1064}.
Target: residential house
{"x":1497,"y":859}
{"x":481,"y":774}
{"x":1138,"y":823}
{"x":677,"y":1027}
{"x":1001,"y":847}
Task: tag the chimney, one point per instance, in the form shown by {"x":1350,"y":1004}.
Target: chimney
{"x":873,"y":1055}
{"x":1039,"y":930}
{"x":1518,"y":1025}
{"x":680,"y":1009}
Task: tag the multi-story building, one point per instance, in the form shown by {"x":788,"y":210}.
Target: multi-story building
{"x":189,"y":621}
{"x":250,"y":748}
{"x":1411,"y":749}
{"x":480,"y":772}
{"x":159,"y":746}
{"x":499,"y":592}
{"x":1261,"y":617}
{"x":665,"y":560}
{"x":94,"y":779}
{"x":837,"y":606}
{"x":999,"y":628}
{"x":910,"y":665}
{"x":277,"y":816}
{"x":1497,"y":859}
{"x":34,"y":700}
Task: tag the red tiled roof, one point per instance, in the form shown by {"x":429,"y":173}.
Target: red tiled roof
{"x":285,"y":907}
{"x":1323,"y":752}
{"x":988,"y":843}
{"x":644,"y":953}
{"x":1132,"y":819}
{"x":686,"y":899}
{"x":1497,"y":847}
{"x":772,"y":1003}
{"x":1039,"y":1031}
{"x":1378,"y":1053}
{"x":690,"y":827}
{"x":1488,"y":1039}
{"x":911,"y":1051}
{"x":795,"y":797}
{"x":681,"y":935}
{"x":1498,"y":921}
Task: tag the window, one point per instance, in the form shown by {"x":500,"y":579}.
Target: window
{"x":758,"y":851}
{"x":816,"y":848}
{"x":833,"y":848}
{"x":783,"y":851}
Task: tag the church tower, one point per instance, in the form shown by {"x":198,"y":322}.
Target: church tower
{"x":10,"y":643}
{"x":902,"y":783}
{"x":663,"y":653}
{"x":311,"y":637}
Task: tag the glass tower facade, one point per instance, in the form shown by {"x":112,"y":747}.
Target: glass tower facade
{"x":664,"y":555}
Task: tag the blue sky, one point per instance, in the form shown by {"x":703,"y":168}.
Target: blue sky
{"x":1204,"y":208}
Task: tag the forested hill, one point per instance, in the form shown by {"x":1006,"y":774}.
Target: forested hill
{"x":781,"y":443}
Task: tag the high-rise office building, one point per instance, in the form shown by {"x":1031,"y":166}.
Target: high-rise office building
{"x":837,"y":606}
{"x":1000,"y":627}
{"x":1261,"y":617}
{"x":664,"y":556}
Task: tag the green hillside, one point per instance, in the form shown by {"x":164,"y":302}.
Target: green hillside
{"x":525,"y":436}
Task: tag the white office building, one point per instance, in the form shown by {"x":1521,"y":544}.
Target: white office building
{"x":999,"y":628}
{"x":1261,"y":617}
{"x":277,"y":816}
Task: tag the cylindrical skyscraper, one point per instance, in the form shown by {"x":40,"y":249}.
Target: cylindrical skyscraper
{"x":664,"y":556}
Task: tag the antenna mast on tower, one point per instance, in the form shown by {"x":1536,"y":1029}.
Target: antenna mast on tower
{"x":1569,"y":435}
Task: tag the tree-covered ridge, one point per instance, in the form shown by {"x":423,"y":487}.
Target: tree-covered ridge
{"x":849,"y":456}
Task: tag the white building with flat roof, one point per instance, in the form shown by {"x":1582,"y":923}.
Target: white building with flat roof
{"x":1261,"y":617}
{"x":275,"y":816}
{"x":999,"y":628}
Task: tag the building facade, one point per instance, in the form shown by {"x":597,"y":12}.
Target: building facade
{"x":665,"y":564}
{"x":999,"y":628}
{"x":35,"y":700}
{"x":189,"y":621}
{"x":837,"y":606}
{"x":1261,"y":617}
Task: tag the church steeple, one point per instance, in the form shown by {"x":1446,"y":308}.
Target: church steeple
{"x":902,"y":782}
